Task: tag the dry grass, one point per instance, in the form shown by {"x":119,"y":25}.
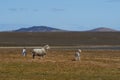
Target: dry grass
{"x":60,"y":65}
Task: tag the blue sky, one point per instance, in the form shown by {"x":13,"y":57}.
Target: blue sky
{"x":64,"y":14}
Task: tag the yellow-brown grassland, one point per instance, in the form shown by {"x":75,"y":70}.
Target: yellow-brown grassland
{"x":59,"y":64}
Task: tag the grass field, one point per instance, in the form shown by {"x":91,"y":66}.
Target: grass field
{"x":59,"y":38}
{"x":60,"y":65}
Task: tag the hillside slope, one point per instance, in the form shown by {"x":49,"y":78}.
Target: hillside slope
{"x":103,"y":29}
{"x":38,"y":29}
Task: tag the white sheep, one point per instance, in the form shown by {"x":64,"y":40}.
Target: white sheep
{"x":77,"y":55}
{"x":40,"y":52}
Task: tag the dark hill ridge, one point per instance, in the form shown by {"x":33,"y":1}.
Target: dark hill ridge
{"x":50,"y":29}
{"x":103,"y":29}
{"x":38,"y":29}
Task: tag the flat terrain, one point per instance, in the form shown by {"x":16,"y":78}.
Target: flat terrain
{"x":59,"y":38}
{"x":59,"y":64}
{"x":100,"y":57}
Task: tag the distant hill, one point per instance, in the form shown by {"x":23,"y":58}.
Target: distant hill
{"x":102,"y":29}
{"x":38,"y":29}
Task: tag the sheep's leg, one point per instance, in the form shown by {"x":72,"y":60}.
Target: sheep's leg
{"x":33,"y":55}
{"x":42,"y":56}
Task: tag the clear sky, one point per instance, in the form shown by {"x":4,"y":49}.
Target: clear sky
{"x":64,"y":14}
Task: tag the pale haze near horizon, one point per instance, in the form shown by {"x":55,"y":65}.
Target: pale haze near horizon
{"x":74,"y":15}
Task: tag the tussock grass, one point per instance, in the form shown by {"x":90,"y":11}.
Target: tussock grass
{"x":60,"y":65}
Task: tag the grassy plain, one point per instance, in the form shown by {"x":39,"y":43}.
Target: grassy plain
{"x":59,"y":38}
{"x":60,"y":65}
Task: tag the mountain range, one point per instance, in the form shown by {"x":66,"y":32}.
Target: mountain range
{"x":102,"y":29}
{"x":39,"y":29}
{"x":50,"y":29}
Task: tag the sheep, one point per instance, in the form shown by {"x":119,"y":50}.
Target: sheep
{"x":77,"y":55}
{"x":40,"y":52}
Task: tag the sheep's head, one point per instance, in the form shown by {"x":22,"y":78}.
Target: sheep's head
{"x":79,"y":50}
{"x":47,"y":47}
